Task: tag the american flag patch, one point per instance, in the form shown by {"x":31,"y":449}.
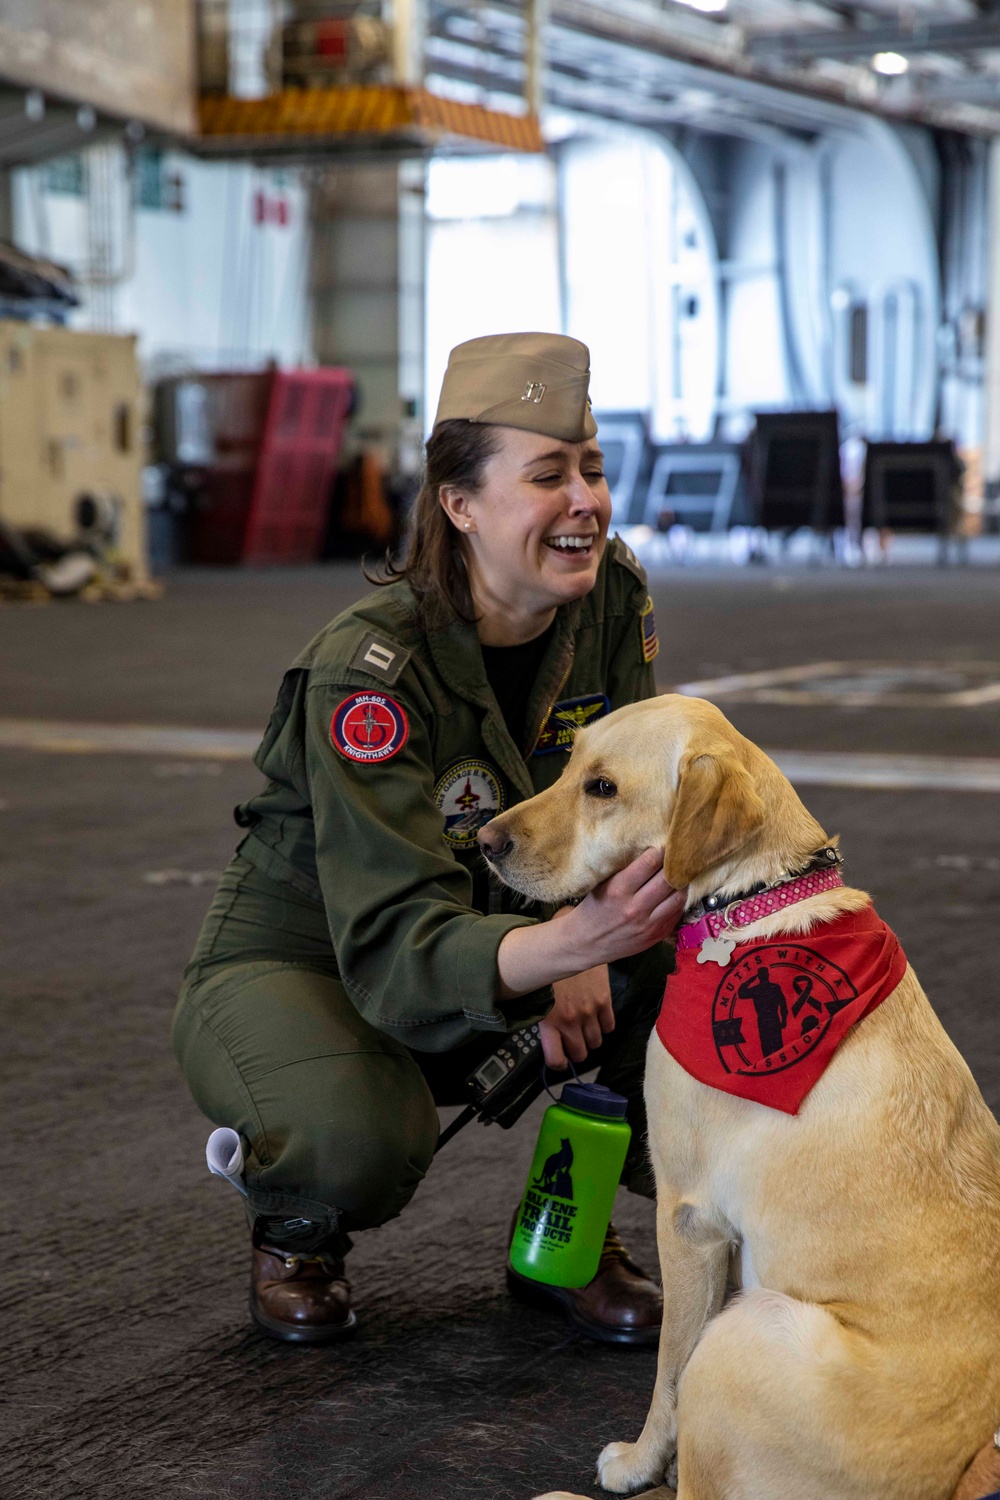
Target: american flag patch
{"x":650,"y":644}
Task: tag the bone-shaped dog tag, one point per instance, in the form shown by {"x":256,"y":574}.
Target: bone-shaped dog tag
{"x":717,"y":950}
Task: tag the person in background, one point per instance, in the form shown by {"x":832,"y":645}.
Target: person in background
{"x":357,"y":962}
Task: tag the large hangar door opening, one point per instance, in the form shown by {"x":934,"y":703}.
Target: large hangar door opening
{"x":885,"y":283}
{"x":833,"y":284}
{"x":640,"y":268}
{"x":492,"y":254}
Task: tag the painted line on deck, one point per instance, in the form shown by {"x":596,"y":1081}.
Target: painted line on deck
{"x":128,"y":739}
{"x":893,"y":773}
{"x":875,"y":772}
{"x":801,"y":686}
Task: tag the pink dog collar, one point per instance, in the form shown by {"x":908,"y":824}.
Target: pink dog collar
{"x":741,"y":913}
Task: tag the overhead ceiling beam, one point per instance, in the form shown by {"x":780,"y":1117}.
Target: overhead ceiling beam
{"x":974,"y":88}
{"x":649,"y":83}
{"x":618,"y":88}
{"x":727,"y":71}
{"x":862,"y":41}
{"x":674,"y":50}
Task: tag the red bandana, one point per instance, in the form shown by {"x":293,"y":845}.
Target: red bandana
{"x":766,"y":1025}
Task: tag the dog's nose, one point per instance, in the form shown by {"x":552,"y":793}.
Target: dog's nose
{"x":496,"y":845}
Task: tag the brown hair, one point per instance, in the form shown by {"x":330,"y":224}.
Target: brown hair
{"x":457,"y":452}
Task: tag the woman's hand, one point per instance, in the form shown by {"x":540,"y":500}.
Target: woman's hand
{"x":580,"y":1018}
{"x":631,"y":911}
{"x":624,"y":915}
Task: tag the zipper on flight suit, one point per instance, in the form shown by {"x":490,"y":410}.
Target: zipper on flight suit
{"x":533,"y":741}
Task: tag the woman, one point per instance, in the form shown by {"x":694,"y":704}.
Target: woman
{"x":356,"y":964}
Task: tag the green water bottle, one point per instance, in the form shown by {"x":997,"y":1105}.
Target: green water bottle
{"x":566,"y":1208}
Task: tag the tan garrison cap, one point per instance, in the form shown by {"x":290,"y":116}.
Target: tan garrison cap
{"x":536,"y":381}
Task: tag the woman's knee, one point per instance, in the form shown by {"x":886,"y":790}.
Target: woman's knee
{"x":357,"y":1134}
{"x":337,"y":1116}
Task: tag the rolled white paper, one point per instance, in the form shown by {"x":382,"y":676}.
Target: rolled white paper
{"x":224,"y":1155}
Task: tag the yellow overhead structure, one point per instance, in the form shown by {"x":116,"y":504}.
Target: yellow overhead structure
{"x":379,"y":116}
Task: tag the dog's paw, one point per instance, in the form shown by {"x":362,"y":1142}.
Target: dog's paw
{"x":621,"y":1467}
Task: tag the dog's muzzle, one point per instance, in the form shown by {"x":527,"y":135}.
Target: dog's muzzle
{"x":496,"y":846}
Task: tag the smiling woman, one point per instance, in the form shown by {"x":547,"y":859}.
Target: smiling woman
{"x":533,"y":533}
{"x":358,"y":963}
{"x":511,"y":519}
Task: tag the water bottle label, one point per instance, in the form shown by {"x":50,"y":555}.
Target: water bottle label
{"x":548,"y":1210}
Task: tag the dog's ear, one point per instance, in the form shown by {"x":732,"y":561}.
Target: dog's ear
{"x":716,"y":812}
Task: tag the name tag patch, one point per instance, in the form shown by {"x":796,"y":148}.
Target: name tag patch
{"x":565,"y":719}
{"x":650,"y":644}
{"x":369,"y":727}
{"x":469,"y":794}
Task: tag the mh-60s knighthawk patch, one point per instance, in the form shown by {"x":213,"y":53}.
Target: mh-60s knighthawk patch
{"x":369,"y":727}
{"x":559,"y":730}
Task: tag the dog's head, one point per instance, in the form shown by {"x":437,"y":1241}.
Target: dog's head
{"x":668,"y":773}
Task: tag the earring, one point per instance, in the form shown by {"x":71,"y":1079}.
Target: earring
{"x":468,"y":525}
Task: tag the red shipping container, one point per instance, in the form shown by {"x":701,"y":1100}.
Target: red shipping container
{"x":276,"y":439}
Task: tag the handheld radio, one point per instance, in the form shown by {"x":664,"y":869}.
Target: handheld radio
{"x":504,"y":1084}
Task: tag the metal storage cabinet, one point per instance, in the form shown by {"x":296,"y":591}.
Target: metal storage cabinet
{"x":69,"y":426}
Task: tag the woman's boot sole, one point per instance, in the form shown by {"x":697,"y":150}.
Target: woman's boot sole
{"x":289,"y":1334}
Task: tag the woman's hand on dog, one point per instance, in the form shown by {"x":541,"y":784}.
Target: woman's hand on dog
{"x":623,"y":915}
{"x":631,"y":911}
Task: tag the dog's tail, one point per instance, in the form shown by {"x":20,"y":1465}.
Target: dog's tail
{"x":982,"y":1478}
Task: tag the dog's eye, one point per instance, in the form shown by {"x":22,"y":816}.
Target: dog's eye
{"x":601,"y":787}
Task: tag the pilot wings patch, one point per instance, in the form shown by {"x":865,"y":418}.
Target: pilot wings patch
{"x":559,"y":730}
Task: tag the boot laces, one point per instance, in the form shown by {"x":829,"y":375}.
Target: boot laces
{"x":614,"y":1253}
{"x":613,"y":1250}
{"x":329,"y":1262}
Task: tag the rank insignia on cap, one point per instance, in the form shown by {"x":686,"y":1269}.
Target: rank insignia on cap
{"x":647,"y":620}
{"x":369,"y":727}
{"x":559,"y":730}
{"x":469,"y":794}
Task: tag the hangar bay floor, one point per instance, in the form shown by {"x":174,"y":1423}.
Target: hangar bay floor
{"x":130,"y":1368}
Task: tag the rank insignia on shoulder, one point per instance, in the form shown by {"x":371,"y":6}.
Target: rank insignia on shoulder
{"x":624,"y":555}
{"x":559,"y":729}
{"x":469,"y":794}
{"x":647,"y":622}
{"x":380,"y":657}
{"x":369,"y":727}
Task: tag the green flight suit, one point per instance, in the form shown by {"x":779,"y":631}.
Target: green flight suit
{"x":345,"y":978}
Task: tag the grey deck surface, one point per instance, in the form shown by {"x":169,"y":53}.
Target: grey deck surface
{"x":129,"y":1366}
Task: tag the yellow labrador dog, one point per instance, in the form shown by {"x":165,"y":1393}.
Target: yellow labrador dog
{"x":861,"y":1358}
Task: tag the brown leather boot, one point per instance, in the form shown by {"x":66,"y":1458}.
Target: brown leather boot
{"x":304,"y":1299}
{"x":620,"y":1306}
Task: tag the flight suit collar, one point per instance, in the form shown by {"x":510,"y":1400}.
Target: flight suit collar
{"x":455,"y":649}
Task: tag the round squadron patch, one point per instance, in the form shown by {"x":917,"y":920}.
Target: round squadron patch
{"x":775,"y":1006}
{"x":469,"y":794}
{"x":369,"y":727}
